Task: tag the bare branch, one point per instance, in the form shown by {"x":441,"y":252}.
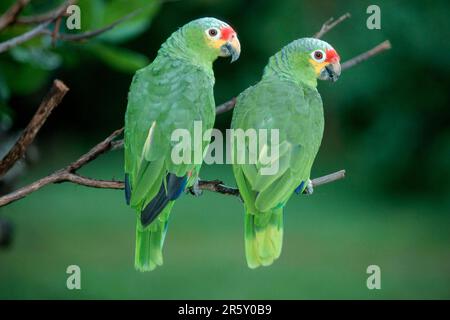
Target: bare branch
{"x":227,"y":106}
{"x":23,"y":192}
{"x":10,"y":16}
{"x":328,"y":178}
{"x":65,"y":176}
{"x":93,"y":183}
{"x":219,"y":187}
{"x":37,"y":31}
{"x":50,"y":102}
{"x":27,"y":36}
{"x":96,"y":151}
{"x":90,"y":34}
{"x":68,"y":174}
{"x":36,"y":19}
{"x":330,"y":24}
{"x":386,"y":45}
{"x":42,"y":30}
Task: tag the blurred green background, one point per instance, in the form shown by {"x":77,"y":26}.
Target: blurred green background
{"x":387,"y":124}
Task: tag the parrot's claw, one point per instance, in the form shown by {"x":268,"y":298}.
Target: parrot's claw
{"x":195,"y":189}
{"x":309,"y":188}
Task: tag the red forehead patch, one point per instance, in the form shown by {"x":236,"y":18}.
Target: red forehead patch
{"x":227,"y":32}
{"x":332,"y":56}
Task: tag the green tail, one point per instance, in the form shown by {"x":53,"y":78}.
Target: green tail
{"x":150,"y":241}
{"x":263,"y":237}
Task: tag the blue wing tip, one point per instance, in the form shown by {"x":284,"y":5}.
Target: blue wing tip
{"x":175,"y":187}
{"x":299,"y":189}
{"x":127,"y":189}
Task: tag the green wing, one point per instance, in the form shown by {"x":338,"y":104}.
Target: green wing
{"x":296,"y":112}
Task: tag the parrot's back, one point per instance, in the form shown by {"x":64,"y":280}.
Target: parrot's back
{"x":295,"y":110}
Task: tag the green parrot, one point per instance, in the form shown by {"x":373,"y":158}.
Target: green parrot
{"x":286,"y":100}
{"x":171,"y":93}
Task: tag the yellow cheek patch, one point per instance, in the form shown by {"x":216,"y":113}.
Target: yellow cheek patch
{"x":216,"y":43}
{"x":318,"y":66}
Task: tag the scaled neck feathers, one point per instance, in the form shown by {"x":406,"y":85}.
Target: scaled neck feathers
{"x":177,"y":47}
{"x":291,"y":64}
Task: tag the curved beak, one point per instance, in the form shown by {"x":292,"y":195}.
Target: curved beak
{"x":331,"y":72}
{"x":231,"y":48}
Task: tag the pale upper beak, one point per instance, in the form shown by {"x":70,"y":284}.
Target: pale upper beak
{"x":331,"y":72}
{"x":231,"y":48}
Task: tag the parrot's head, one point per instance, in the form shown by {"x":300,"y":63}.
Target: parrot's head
{"x":212,"y":38}
{"x":318,"y":57}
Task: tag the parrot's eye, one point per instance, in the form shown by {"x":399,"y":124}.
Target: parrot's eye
{"x":213,"y":33}
{"x":318,"y":56}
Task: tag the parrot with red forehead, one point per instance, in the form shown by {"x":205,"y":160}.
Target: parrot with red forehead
{"x":171,"y":93}
{"x":286,"y":100}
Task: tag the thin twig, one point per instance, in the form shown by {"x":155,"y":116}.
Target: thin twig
{"x":219,"y":187}
{"x":90,"y":34}
{"x":96,"y":151}
{"x":27,"y":36}
{"x":227,"y":106}
{"x":50,"y":102}
{"x":386,"y":45}
{"x":10,"y":16}
{"x":40,"y":18}
{"x":42,"y":30}
{"x":55,"y":31}
{"x":68,"y":174}
{"x":37,"y":31}
{"x":65,"y":176}
{"x":328,"y":178}
{"x":330,"y":24}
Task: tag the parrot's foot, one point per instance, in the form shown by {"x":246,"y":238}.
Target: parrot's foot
{"x":309,"y":188}
{"x":195,"y":189}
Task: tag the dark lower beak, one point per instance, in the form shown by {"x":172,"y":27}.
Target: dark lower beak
{"x":232,"y":49}
{"x":331,"y":72}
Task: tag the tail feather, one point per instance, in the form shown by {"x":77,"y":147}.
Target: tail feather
{"x":150,"y":241}
{"x":263,"y":237}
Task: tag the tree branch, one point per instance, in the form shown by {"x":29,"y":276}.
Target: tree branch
{"x":330,"y":24}
{"x":219,"y":187}
{"x":37,"y":31}
{"x":40,"y":18}
{"x":10,"y":16}
{"x":227,"y":106}
{"x":68,"y":174}
{"x":385,"y":45}
{"x":27,"y":36}
{"x":93,"y":33}
{"x":55,"y":35}
{"x":50,"y":102}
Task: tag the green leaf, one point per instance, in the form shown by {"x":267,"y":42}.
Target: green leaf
{"x":118,"y":58}
{"x":96,"y":14}
{"x":38,"y":57}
